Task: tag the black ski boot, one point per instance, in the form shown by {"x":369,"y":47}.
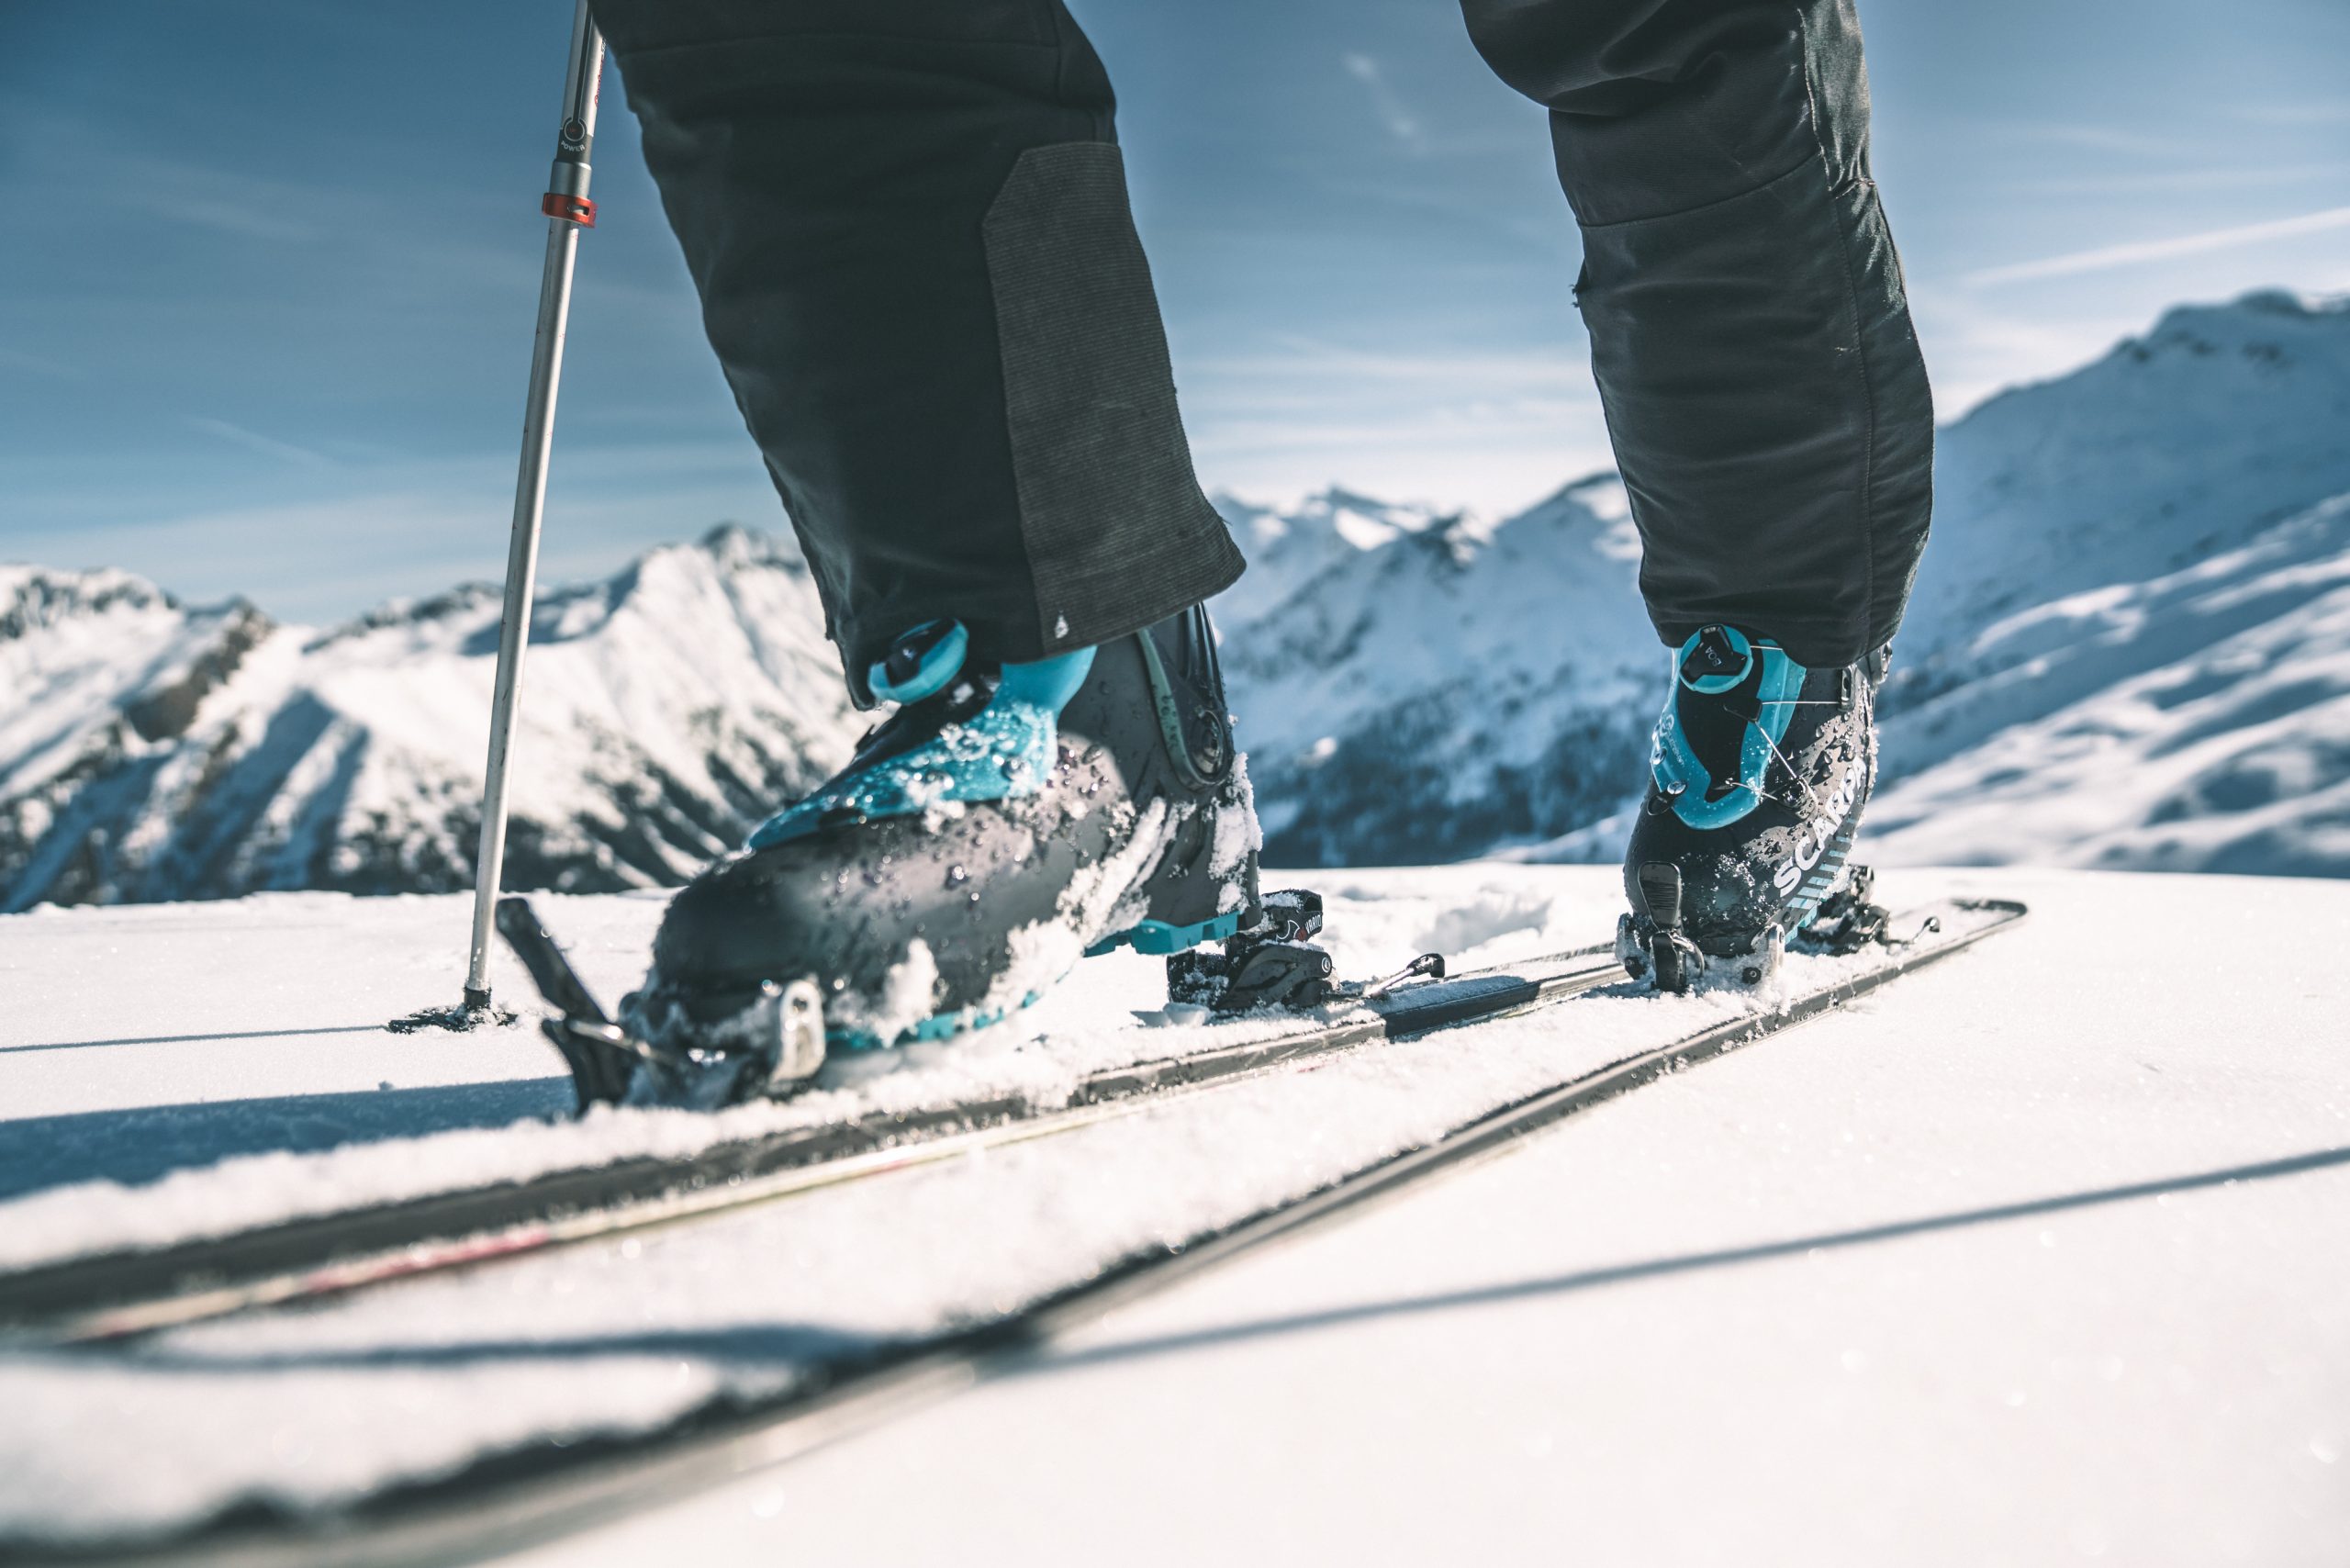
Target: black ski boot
{"x":1759,"y":772}
{"x":999,"y":826}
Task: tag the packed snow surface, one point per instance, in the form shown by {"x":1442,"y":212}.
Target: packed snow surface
{"x":2000,"y":1265}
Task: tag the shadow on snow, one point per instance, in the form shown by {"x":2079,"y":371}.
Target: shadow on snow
{"x":769,"y":1344}
{"x":150,"y":1141}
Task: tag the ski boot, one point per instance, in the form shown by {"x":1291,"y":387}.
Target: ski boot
{"x":1758,"y":775}
{"x":999,"y":826}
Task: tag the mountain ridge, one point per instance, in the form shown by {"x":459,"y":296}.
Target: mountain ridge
{"x":668,"y":707}
{"x":2133,"y":605}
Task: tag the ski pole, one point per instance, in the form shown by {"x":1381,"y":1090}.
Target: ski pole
{"x":568,"y":211}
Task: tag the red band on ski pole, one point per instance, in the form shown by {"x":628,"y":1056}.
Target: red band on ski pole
{"x":570,"y":208}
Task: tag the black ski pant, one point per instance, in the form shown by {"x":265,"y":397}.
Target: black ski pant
{"x":908,"y":223}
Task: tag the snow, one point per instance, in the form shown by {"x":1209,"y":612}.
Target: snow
{"x":1670,"y":1331}
{"x":1457,"y":686}
{"x":2030,"y":1258}
{"x":2200,"y":720}
{"x":2128,"y":646}
{"x":71,"y":644}
{"x":1652,"y":1333}
{"x":1287,"y":547}
{"x":342,"y":967}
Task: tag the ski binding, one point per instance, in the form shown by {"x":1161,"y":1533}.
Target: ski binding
{"x":775,"y":1047}
{"x":1654,"y":948}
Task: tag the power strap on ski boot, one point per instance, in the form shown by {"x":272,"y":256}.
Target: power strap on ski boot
{"x":1273,"y":963}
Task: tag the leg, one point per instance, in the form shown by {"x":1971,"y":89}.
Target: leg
{"x":908,"y":223}
{"x":1749,"y":331}
{"x":1770,"y":418}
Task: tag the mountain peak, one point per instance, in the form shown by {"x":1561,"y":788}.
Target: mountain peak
{"x":33,"y":598}
{"x":180,"y":754}
{"x":1597,"y":496}
{"x":2262,"y":326}
{"x":2261,"y":307}
{"x":465,"y":599}
{"x":732,"y":546}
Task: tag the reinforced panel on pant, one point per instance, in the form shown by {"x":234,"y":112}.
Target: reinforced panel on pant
{"x":1118,"y":533}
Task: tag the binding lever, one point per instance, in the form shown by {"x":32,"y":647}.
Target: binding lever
{"x":1427,"y":965}
{"x":1671,"y":957}
{"x":601,"y":1057}
{"x":1273,"y":963}
{"x":775,"y":1049}
{"x":550,"y":970}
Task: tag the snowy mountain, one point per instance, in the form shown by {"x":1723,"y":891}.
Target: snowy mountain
{"x":153,"y":751}
{"x":2130,"y":644}
{"x":2130,"y":647}
{"x":1289,"y":548}
{"x":1457,"y":686}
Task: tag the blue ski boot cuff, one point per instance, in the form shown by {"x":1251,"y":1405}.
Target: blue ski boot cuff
{"x":1001,"y":752}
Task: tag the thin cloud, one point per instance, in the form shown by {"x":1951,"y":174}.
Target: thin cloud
{"x":328,"y":542}
{"x":2110,"y":256}
{"x":2305,"y":114}
{"x":2089,"y":137}
{"x":1562,"y":365}
{"x":1394,"y":113}
{"x":19,"y":360}
{"x":183,"y":191}
{"x":1974,"y":349}
{"x":253,"y":441}
{"x":222,"y":215}
{"x":2175,"y":180}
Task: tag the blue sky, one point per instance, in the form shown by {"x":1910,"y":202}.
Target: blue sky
{"x":268,"y":274}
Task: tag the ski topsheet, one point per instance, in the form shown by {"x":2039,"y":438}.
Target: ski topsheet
{"x":112,"y":1294}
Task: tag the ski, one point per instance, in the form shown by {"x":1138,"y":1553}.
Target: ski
{"x":542,"y":1492}
{"x":114,"y":1295}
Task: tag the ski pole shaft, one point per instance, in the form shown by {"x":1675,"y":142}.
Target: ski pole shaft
{"x":568,"y":211}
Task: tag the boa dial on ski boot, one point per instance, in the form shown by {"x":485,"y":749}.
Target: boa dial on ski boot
{"x":1759,"y":771}
{"x":1001,"y":823}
